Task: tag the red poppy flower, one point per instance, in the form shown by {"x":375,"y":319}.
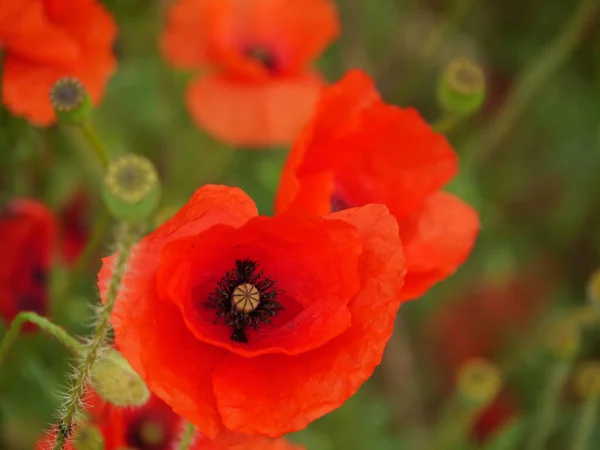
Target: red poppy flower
{"x":74,"y":228}
{"x":358,"y":150}
{"x":45,"y":40}
{"x":261,"y":89}
{"x":28,"y":231}
{"x":494,"y":417}
{"x":258,"y":325}
{"x":258,"y":443}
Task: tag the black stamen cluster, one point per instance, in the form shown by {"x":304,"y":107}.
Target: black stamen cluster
{"x":220,"y":299}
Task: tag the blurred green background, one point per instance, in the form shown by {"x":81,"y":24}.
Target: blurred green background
{"x":531,"y":170}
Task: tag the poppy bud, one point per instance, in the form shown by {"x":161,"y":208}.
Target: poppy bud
{"x":478,"y":381}
{"x":88,"y":437}
{"x":116,"y":382}
{"x":70,"y":100}
{"x":131,"y":187}
{"x":587,"y":380}
{"x":563,"y":339}
{"x":594,"y":289}
{"x":461,"y":89}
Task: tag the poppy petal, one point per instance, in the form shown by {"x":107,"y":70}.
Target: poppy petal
{"x":277,"y":394}
{"x":252,"y":114}
{"x":437,"y":241}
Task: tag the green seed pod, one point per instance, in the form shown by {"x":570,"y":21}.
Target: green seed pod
{"x":70,"y":100}
{"x":88,"y":437}
{"x":131,"y":187}
{"x":587,"y":380}
{"x":563,"y":338}
{"x":478,"y":381}
{"x":461,"y":89}
{"x":115,"y":381}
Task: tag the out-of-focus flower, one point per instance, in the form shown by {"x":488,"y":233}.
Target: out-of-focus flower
{"x":28,"y":231}
{"x":358,"y":150}
{"x":494,"y":417}
{"x":258,"y":325}
{"x":153,"y":426}
{"x":45,"y":40}
{"x":74,"y":227}
{"x":260,"y":89}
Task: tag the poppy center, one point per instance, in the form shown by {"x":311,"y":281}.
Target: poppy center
{"x":147,"y":434}
{"x":338,"y":203}
{"x":245,"y":297}
{"x":263,"y":56}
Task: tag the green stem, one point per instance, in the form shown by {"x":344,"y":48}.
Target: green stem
{"x":530,"y":81}
{"x":100,"y":226}
{"x":90,"y":351}
{"x":585,"y":425}
{"x":546,"y":413}
{"x":95,"y":142}
{"x":446,"y":123}
{"x":186,"y":437}
{"x":56,"y":331}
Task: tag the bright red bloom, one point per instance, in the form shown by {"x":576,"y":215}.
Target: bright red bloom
{"x":28,"y":231}
{"x":44,"y":40}
{"x":359,"y":150}
{"x":258,"y":443}
{"x":261,"y":89}
{"x":329,"y":290}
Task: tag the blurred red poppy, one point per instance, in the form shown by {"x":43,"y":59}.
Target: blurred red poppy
{"x":494,"y":417}
{"x":28,"y":231}
{"x":44,"y":40}
{"x":258,"y":325}
{"x":260,"y":89}
{"x":358,"y":150}
{"x":74,"y":227}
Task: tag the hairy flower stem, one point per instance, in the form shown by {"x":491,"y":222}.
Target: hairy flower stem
{"x":48,"y":327}
{"x":546,"y":413}
{"x":585,"y":425}
{"x":185,"y":440}
{"x":90,"y":351}
{"x":528,"y":84}
{"x":95,"y":142}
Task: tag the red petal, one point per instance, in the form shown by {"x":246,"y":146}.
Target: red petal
{"x":253,"y":114}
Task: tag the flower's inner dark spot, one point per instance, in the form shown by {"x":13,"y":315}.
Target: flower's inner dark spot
{"x":28,"y":302}
{"x":147,"y":434}
{"x":39,"y":276}
{"x":245,"y":297}
{"x":67,"y":94}
{"x":263,"y":56}
{"x":338,"y":203}
{"x":130,"y":177}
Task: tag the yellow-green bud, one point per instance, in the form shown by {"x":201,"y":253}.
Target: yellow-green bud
{"x":115,"y":381}
{"x":563,"y":338}
{"x":70,"y":100}
{"x":587,"y":379}
{"x":594,"y":289}
{"x":131,"y":187}
{"x":461,"y":89}
{"x":88,"y":437}
{"x":478,"y":381}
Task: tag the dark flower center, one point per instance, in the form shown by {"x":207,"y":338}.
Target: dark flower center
{"x":28,"y":302}
{"x":147,"y":434}
{"x":263,"y":56}
{"x":244,"y":297}
{"x":338,"y":203}
{"x":67,"y":94}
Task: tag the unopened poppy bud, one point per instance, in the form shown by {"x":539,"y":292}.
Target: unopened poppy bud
{"x":70,"y":100}
{"x":131,"y":187}
{"x":116,"y":382}
{"x":478,"y":381}
{"x":563,"y":338}
{"x":594,"y":289}
{"x":88,"y":437}
{"x":461,"y":89}
{"x":587,"y":380}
